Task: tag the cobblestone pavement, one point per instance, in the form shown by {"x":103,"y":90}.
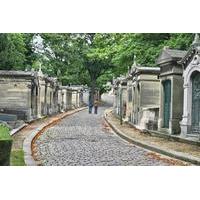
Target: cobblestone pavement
{"x":83,"y":139}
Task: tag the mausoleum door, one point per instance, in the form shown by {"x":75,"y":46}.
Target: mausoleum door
{"x":167,"y":102}
{"x":196,"y":102}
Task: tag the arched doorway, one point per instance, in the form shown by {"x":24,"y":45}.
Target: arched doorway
{"x":195,"y":78}
{"x":167,"y":103}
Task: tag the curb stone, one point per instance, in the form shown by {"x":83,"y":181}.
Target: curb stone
{"x":27,"y":144}
{"x":29,"y":161}
{"x":170,"y":153}
{"x":16,"y":130}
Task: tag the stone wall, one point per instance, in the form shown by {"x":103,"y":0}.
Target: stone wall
{"x":17,"y":97}
{"x":150,"y":93}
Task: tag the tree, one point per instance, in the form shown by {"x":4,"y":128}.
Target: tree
{"x":12,"y":51}
{"x":62,"y":57}
{"x":97,"y":58}
{"x":180,"y":41}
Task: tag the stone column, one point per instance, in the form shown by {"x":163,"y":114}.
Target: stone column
{"x":172,"y":106}
{"x":30,"y":110}
{"x":77,"y":98}
{"x":137,"y":107}
{"x":39,"y":102}
{"x":176,"y":104}
{"x":134,"y":103}
{"x":45,"y":99}
{"x":185,"y":118}
{"x":118,"y":101}
{"x":160,"y":120}
{"x":115,"y":101}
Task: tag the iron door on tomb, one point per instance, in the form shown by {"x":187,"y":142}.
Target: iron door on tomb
{"x":167,"y":102}
{"x":196,"y":103}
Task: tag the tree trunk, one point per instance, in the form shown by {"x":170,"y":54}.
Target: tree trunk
{"x":93,"y":87}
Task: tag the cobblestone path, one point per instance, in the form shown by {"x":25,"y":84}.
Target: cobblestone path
{"x":83,"y":139}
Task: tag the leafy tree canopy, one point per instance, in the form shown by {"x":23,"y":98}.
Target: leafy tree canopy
{"x":12,"y":51}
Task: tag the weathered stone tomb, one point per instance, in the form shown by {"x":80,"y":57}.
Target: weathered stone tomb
{"x":190,"y":123}
{"x":145,"y":96}
{"x":171,"y":90}
{"x":28,"y":95}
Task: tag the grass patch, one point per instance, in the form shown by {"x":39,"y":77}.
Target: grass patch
{"x":4,"y":133}
{"x":17,"y":158}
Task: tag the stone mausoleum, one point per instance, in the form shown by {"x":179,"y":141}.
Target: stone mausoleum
{"x":28,"y":94}
{"x":171,"y":90}
{"x":190,"y":123}
{"x":64,"y":98}
{"x":19,"y":94}
{"x":77,"y":96}
{"x":145,"y":96}
{"x":137,"y":96}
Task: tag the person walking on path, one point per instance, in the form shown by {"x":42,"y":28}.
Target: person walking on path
{"x":90,"y":103}
{"x":96,"y":104}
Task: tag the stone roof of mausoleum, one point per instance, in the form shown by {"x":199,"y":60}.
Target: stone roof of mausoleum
{"x":168,"y":55}
{"x":14,"y":73}
{"x":144,"y":70}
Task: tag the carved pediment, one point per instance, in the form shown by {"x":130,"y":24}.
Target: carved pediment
{"x":192,"y":56}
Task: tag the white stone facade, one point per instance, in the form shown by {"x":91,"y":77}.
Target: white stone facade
{"x":191,"y":65}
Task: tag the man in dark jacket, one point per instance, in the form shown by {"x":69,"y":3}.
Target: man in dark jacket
{"x":90,"y":103}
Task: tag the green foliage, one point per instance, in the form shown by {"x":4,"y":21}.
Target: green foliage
{"x":5,"y":146}
{"x":145,"y":46}
{"x":102,"y":81}
{"x":4,"y":132}
{"x":180,"y":41}
{"x":12,"y":51}
{"x":62,"y":58}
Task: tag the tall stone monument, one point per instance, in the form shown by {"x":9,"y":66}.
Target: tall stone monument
{"x":171,"y":90}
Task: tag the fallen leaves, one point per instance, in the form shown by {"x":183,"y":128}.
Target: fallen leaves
{"x":168,"y":160}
